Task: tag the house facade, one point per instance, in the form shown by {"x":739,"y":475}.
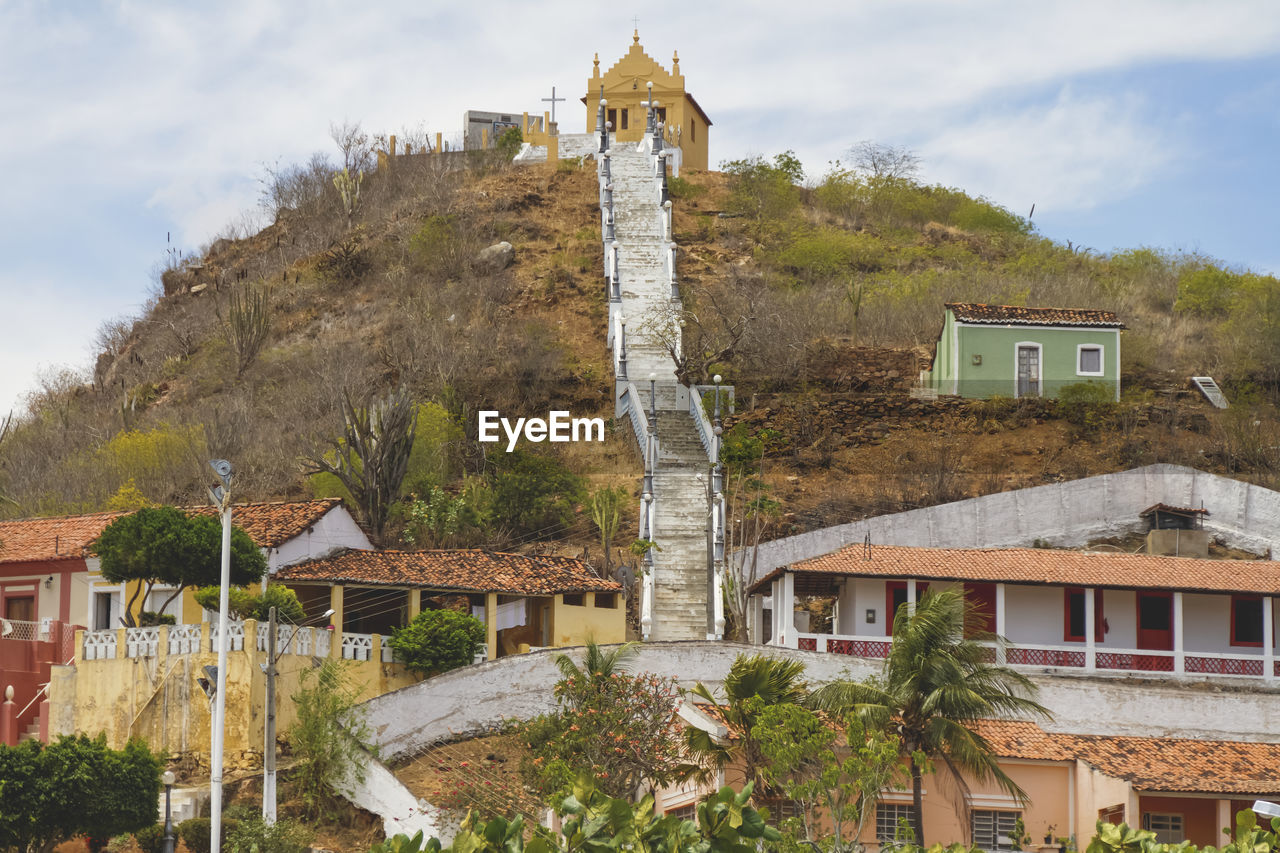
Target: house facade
{"x":526,"y":602}
{"x":50,"y":584}
{"x":1012,"y":351}
{"x":1182,"y":789}
{"x":1067,"y":612}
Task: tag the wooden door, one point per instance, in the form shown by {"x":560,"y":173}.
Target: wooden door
{"x":1028,"y":371}
{"x":896,"y":596}
{"x":20,"y":608}
{"x":980,"y":614}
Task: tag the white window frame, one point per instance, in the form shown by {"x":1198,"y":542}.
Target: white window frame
{"x":1009,"y":842}
{"x":117,"y":591}
{"x":1039,"y":366}
{"x":1169,"y":827}
{"x":900,"y":810}
{"x":1102,"y":359}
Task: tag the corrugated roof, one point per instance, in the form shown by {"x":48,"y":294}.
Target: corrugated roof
{"x":1043,"y":566}
{"x":469,"y":570}
{"x":1180,"y":510}
{"x":66,"y":537}
{"x":1018,"y":315}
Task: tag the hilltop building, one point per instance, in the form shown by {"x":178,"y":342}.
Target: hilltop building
{"x":626,"y":86}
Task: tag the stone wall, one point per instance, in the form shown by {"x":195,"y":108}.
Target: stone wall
{"x":837,"y":365}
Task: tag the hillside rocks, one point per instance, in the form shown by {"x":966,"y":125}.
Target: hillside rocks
{"x":839,"y":365}
{"x":497,"y":257}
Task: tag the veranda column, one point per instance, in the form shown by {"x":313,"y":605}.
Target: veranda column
{"x":491,"y":623}
{"x":1268,"y":641}
{"x":1000,"y":624}
{"x":911,"y":598}
{"x":1090,"y":619}
{"x":1179,"y":658}
{"x":789,"y":610}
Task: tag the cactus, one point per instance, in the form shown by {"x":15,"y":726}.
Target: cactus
{"x":246,"y":326}
{"x":349,"y":188}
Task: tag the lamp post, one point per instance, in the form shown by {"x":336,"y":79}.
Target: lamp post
{"x":222,"y":497}
{"x":168,"y":779}
{"x":653,"y":401}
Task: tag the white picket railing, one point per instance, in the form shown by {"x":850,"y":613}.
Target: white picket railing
{"x":357,"y":646}
{"x":142,"y":642}
{"x":184,"y":639}
{"x":99,"y":645}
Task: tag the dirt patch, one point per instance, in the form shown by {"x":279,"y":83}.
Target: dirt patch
{"x":481,"y":773}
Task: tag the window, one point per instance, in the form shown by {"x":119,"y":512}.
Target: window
{"x":1089,"y":360}
{"x":994,"y":830}
{"x":574,"y":599}
{"x":781,"y":809}
{"x":1073,"y":629}
{"x":607,"y":599}
{"x":685,"y":812}
{"x":693,"y":130}
{"x":1246,"y":620}
{"x":894,"y":821}
{"x":624,"y":120}
{"x":1167,"y":827}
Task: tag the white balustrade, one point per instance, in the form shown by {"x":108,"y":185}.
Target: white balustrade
{"x":357,"y":646}
{"x":235,"y":636}
{"x":99,"y":645}
{"x":141,"y":642}
{"x":184,"y":639}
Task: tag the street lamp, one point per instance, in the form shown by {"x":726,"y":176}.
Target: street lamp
{"x":221,"y":496}
{"x":168,"y":779}
{"x":653,"y":399}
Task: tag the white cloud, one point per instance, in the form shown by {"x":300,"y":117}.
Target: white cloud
{"x":1073,"y":154}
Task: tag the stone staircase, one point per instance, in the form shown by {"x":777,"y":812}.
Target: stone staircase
{"x":680,"y":577}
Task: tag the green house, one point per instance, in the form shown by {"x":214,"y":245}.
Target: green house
{"x":985,"y":350}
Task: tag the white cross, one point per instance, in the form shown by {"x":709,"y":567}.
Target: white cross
{"x":553,"y":99}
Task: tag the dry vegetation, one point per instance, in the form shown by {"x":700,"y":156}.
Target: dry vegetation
{"x":249,"y":345}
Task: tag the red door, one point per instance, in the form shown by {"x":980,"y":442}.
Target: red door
{"x":980,"y":614}
{"x":1155,"y":630}
{"x":895,"y":595}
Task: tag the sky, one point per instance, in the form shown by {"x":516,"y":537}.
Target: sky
{"x":133,"y":128}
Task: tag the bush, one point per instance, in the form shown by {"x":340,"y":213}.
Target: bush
{"x":257,"y":836}
{"x":151,"y":839}
{"x":329,"y":737}
{"x":195,"y":833}
{"x":535,"y":495}
{"x":243,"y":604}
{"x":437,"y":641}
{"x":148,"y":618}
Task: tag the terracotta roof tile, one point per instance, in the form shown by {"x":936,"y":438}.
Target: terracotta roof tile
{"x":1151,"y":764}
{"x":1181,"y":510}
{"x":1043,"y":566}
{"x":975,"y":312}
{"x":67,"y":537}
{"x":471,"y":570}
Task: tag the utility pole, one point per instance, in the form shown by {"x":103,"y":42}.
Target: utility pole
{"x":222,"y":497}
{"x":269,"y":748}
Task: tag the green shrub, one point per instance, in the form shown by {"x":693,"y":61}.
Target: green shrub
{"x":1207,"y":291}
{"x":195,"y":833}
{"x":535,"y":495}
{"x":330,"y":736}
{"x":679,"y":188}
{"x":244,"y":604}
{"x":148,"y":618}
{"x":817,"y":254}
{"x":1088,"y":405}
{"x":508,"y":145}
{"x":257,"y":836}
{"x":151,"y":839}
{"x":437,"y":641}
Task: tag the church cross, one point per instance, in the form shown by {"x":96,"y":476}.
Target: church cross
{"x":635,"y":20}
{"x":553,"y":99}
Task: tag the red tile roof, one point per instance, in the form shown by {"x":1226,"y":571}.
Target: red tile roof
{"x":1042,"y":566}
{"x":1017,"y":315}
{"x":66,"y":537}
{"x":1180,"y":510}
{"x":1178,"y":765}
{"x":470,"y":570}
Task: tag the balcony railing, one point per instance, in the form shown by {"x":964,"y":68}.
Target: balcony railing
{"x":1044,"y":656}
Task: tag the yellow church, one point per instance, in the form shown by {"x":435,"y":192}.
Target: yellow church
{"x":626,"y":87}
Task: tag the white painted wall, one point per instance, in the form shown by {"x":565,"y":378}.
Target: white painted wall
{"x":335,"y":529}
{"x":1119,"y":608}
{"x":1034,"y":615}
{"x":1063,"y":514}
{"x":1206,"y":625}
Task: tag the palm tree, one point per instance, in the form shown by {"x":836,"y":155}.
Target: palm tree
{"x":936,"y":682}
{"x":752,"y":684}
{"x":596,"y":662}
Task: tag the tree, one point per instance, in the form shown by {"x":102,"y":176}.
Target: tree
{"x":806,"y":762}
{"x":605,"y":503}
{"x":75,"y":786}
{"x":535,"y":495}
{"x":244,"y":604}
{"x":165,"y":545}
{"x":330,"y":735}
{"x":437,"y":641}
{"x":620,"y":730}
{"x":354,"y":143}
{"x":882,"y":161}
{"x":372,"y":457}
{"x":937,"y":682}
{"x":753,"y":684}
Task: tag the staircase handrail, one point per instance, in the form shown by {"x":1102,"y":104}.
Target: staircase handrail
{"x":628,"y":404}
{"x":706,"y":432}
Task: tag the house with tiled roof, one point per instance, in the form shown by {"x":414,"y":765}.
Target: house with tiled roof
{"x":49,"y":581}
{"x":1015,"y":351}
{"x":1183,"y":789}
{"x":526,"y":602}
{"x":1066,"y":612}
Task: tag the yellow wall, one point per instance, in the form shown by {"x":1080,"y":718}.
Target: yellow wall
{"x":625,"y":87}
{"x":158,"y":699}
{"x":572,"y":625}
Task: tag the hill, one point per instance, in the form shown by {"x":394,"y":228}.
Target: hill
{"x":797,"y":292}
